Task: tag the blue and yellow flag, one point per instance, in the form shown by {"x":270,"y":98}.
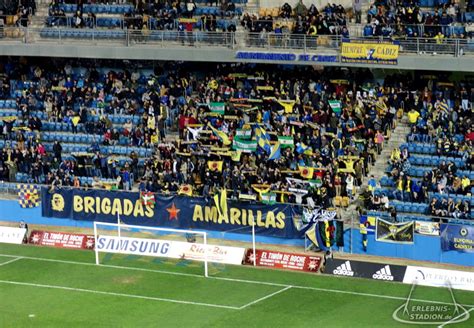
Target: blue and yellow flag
{"x":28,"y":196}
{"x":275,"y":154}
{"x":263,"y":139}
{"x":367,"y":224}
{"x":221,"y":135}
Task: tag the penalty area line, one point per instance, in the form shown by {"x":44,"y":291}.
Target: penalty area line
{"x":265,"y":297}
{"x":91,"y":291}
{"x":11,"y":261}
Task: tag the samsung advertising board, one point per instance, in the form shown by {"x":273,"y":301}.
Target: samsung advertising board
{"x":170,"y":249}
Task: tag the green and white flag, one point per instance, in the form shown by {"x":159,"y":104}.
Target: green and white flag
{"x":245,"y":146}
{"x":335,"y":105}
{"x":286,"y":142}
{"x":217,"y":107}
{"x":244,"y":133}
{"x":269,"y":198}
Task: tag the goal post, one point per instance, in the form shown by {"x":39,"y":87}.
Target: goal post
{"x":154,"y":247}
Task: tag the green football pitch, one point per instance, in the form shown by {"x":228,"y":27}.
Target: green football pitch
{"x":49,"y":287}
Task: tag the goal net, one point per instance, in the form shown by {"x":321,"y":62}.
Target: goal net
{"x":142,"y":241}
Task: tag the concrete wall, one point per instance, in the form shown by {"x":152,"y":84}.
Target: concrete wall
{"x":214,"y":54}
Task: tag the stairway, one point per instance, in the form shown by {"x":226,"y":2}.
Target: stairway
{"x":397,"y":137}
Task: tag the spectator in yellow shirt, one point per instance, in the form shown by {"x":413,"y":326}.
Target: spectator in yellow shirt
{"x":413,"y":116}
{"x":465,"y":184}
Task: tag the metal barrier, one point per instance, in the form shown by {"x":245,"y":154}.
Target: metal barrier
{"x":233,"y":40}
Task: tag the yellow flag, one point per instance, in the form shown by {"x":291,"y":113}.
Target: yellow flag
{"x":215,"y":165}
{"x":261,"y":189}
{"x":236,"y":155}
{"x":221,"y":135}
{"x":185,"y":190}
{"x":306,"y":172}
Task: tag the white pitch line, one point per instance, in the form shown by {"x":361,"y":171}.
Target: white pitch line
{"x":265,"y":297}
{"x":150,"y":298}
{"x":11,"y":261}
{"x":455,"y":318}
{"x":235,"y":280}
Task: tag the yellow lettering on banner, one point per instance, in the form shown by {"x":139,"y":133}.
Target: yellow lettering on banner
{"x":138,"y":208}
{"x":244,"y":217}
{"x":197,"y":215}
{"x":234,"y":216}
{"x":260,"y":223}
{"x":251,"y":218}
{"x":116,"y":207}
{"x":280,"y":217}
{"x":210,"y":214}
{"x":270,"y":220}
{"x":78,"y":204}
{"x":89,"y":204}
{"x":149,"y":212}
{"x":127,"y":207}
{"x":97,"y":205}
{"x":222,"y":218}
{"x":105,"y":206}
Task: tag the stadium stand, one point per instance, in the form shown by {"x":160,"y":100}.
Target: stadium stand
{"x":172,"y":127}
{"x":433,"y":173}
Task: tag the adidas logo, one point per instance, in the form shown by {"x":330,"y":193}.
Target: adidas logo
{"x":344,"y":269}
{"x":383,"y":274}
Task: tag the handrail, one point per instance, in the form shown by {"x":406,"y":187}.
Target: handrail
{"x":234,"y":40}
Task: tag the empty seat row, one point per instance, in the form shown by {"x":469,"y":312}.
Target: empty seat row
{"x":420,"y":172}
{"x":436,"y":160}
{"x":82,"y":33}
{"x":99,"y":9}
{"x":417,"y":137}
{"x":9,"y":103}
{"x":71,"y":138}
{"x":422,"y":148}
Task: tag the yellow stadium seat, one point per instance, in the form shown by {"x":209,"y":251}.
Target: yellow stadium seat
{"x":337,"y":201}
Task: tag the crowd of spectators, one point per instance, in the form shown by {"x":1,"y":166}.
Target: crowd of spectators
{"x":337,"y":143}
{"x":143,"y":16}
{"x":440,"y":115}
{"x":449,"y":208}
{"x":300,"y":20}
{"x":20,"y":11}
{"x":406,"y":18}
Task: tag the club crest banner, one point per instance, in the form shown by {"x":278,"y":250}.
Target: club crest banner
{"x":402,"y":233}
{"x":457,"y":238}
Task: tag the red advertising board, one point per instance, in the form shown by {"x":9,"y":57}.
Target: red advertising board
{"x":61,"y":239}
{"x":282,"y":260}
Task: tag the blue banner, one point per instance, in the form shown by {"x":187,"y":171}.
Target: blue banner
{"x":170,"y":211}
{"x":457,"y":238}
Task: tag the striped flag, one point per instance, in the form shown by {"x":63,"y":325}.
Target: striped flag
{"x":245,"y":146}
{"x":217,"y":107}
{"x":286,"y":142}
